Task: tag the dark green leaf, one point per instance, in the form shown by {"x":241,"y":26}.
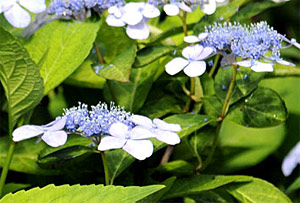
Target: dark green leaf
{"x":20,"y":78}
{"x":149,"y":54}
{"x":13,"y":187}
{"x":294,"y":186}
{"x":82,"y":193}
{"x":263,"y":108}
{"x":177,"y":167}
{"x":212,"y":106}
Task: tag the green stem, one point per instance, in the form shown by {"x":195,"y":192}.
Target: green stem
{"x":227,"y":98}
{"x":213,"y":69}
{"x":100,"y":59}
{"x":6,"y":165}
{"x":106,"y":172}
{"x":192,"y":91}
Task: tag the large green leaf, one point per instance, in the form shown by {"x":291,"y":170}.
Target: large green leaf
{"x":132,"y":94}
{"x":84,"y":76}
{"x":82,"y":193}
{"x":246,"y":81}
{"x":68,"y":43}
{"x":263,"y":108}
{"x":20,"y":78}
{"x":25,"y":156}
{"x":257,"y":191}
{"x":149,"y":54}
{"x":13,"y":187}
{"x":198,"y":183}
{"x":120,"y":67}
{"x":222,"y":13}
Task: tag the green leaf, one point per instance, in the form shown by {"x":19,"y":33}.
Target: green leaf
{"x":257,"y":191}
{"x":25,"y":157}
{"x":177,"y":167}
{"x":84,"y":76}
{"x":151,"y":53}
{"x":120,"y":66}
{"x":64,"y":41}
{"x":294,"y":186}
{"x":158,"y":195}
{"x":246,"y":81}
{"x":57,"y":103}
{"x":84,"y":193}
{"x":20,"y":78}
{"x":212,"y":106}
{"x":198,"y":183}
{"x":224,"y":12}
{"x":13,"y":187}
{"x":217,"y":195}
{"x":263,"y":108}
{"x":240,"y":147}
{"x":252,"y":9}
{"x":132,"y":94}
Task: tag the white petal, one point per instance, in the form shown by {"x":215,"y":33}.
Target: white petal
{"x":58,"y":124}
{"x":34,"y":6}
{"x":210,"y":7}
{"x":55,"y":138}
{"x":140,"y":133}
{"x":6,"y":5}
{"x":118,"y":130}
{"x":115,"y":22}
{"x":150,"y":11}
{"x":205,"y":52}
{"x":142,"y":120}
{"x":176,"y":65}
{"x":110,"y":142}
{"x":191,"y":39}
{"x":291,"y":160}
{"x":195,"y":68}
{"x":284,"y":62}
{"x":139,"y":149}
{"x":139,"y":31}
{"x":168,"y":137}
{"x":163,"y":125}
{"x":245,"y":63}
{"x":191,"y":51}
{"x":262,"y":67}
{"x":171,"y":9}
{"x":134,"y":6}
{"x":184,"y":7}
{"x":202,"y":35}
{"x":27,"y":131}
{"x":17,"y":16}
{"x":132,"y":18}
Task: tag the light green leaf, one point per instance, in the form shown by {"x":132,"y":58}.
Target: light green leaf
{"x":132,"y":94}
{"x":257,"y":191}
{"x":68,"y":43}
{"x":151,"y":53}
{"x":82,"y":193}
{"x":263,"y":108}
{"x":198,"y":183}
{"x":246,"y":81}
{"x":20,"y":78}
{"x":25,"y":157}
{"x":120,"y":66}
{"x":84,"y":76}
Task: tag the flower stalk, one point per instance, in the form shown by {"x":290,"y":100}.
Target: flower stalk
{"x":105,"y":167}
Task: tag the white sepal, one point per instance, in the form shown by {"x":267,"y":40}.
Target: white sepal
{"x":55,"y":138}
{"x":110,"y":142}
{"x":176,"y":65}
{"x":140,"y":149}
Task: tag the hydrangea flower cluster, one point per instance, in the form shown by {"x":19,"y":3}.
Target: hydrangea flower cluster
{"x":115,"y":127}
{"x":250,"y":43}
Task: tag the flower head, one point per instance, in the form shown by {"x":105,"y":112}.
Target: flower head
{"x":193,"y":65}
{"x":15,"y":13}
{"x":51,"y":133}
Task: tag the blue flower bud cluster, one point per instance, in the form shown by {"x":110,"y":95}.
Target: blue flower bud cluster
{"x":251,"y":42}
{"x":72,"y":7}
{"x":96,"y":121}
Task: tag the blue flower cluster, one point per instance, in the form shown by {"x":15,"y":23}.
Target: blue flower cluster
{"x":251,"y":42}
{"x":96,"y":121}
{"x":73,"y":7}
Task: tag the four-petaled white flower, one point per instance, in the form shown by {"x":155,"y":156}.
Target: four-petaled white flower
{"x":194,"y":39}
{"x":50,"y":133}
{"x":161,"y":130}
{"x":132,"y":140}
{"x":18,"y":16}
{"x":256,"y":66}
{"x":173,"y":8}
{"x":193,"y":65}
{"x":291,"y":160}
{"x":135,"y":15}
